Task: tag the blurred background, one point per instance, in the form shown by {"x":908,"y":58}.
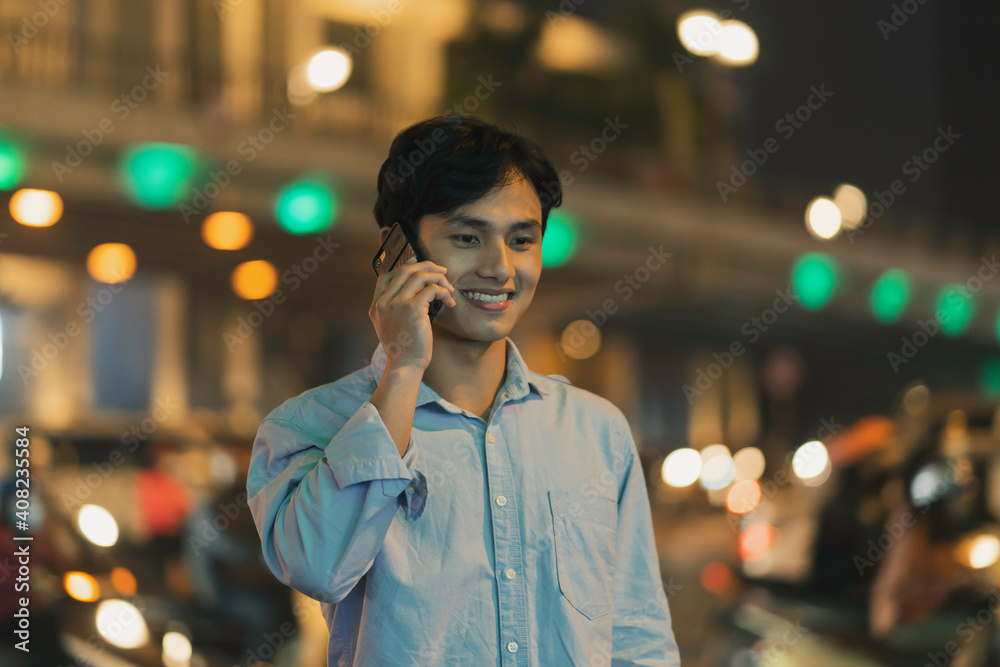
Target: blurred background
{"x":775,"y":254}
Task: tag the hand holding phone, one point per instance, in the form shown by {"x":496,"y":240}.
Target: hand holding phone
{"x":405,"y":293}
{"x":399,"y":248}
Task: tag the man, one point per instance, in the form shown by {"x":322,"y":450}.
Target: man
{"x":447,"y":505}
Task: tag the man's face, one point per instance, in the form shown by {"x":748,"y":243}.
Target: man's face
{"x":494,"y":243}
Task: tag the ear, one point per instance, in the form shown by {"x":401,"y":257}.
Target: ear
{"x":384,"y":232}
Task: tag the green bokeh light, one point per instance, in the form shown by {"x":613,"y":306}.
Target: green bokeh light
{"x":12,"y":163}
{"x":814,"y":278}
{"x":158,"y":175}
{"x":560,"y":240}
{"x":890,"y":294}
{"x":989,"y":379}
{"x":954,"y":309}
{"x":306,"y":206}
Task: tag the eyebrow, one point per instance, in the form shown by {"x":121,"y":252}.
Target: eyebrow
{"x":479,"y":223}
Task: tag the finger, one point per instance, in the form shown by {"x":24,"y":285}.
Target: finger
{"x":419,"y":281}
{"x":448,"y":298}
{"x":403,"y":271}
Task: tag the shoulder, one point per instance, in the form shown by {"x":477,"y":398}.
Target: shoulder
{"x":582,"y":404}
{"x":326,"y":408}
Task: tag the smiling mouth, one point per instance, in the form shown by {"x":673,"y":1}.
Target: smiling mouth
{"x":487,"y":298}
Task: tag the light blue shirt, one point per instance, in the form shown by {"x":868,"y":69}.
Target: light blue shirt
{"x":524,"y":540}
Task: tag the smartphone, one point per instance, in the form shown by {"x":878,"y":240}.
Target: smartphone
{"x":397,"y":249}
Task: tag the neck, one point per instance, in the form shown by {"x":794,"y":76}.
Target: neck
{"x":467,"y":373}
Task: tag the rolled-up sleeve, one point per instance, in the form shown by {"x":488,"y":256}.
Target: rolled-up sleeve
{"x":323,"y":504}
{"x":641,"y":625}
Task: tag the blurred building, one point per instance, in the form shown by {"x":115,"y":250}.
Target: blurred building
{"x":682,"y":242}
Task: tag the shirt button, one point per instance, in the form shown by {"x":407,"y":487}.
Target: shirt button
{"x":490,"y":437}
{"x":512,"y":647}
{"x":510,"y":574}
{"x":501,"y":501}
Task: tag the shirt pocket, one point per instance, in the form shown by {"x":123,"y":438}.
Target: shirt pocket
{"x":584,"y":530}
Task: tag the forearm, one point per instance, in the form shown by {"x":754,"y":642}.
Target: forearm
{"x":395,"y":398}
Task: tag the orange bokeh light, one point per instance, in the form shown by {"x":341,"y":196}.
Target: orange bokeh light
{"x":81,"y":586}
{"x":255,"y":280}
{"x":111,"y":262}
{"x":716,"y":577}
{"x":123,"y":581}
{"x":743,"y":497}
{"x":756,"y":541}
{"x":227,"y":230}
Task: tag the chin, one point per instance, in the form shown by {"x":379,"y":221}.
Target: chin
{"x":484,"y":333}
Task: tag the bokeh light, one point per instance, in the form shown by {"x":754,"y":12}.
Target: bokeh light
{"x":814,"y":277}
{"x":12,"y":162}
{"x":716,"y":577}
{"x":111,"y":263}
{"x":823,"y":218}
{"x":176,"y":648}
{"x":810,"y":460}
{"x":755,"y":541}
{"x":717,"y":468}
{"x":227,"y":230}
{"x":890,"y":294}
{"x":329,"y":70}
{"x":984,"y":551}
{"x":737,"y":46}
{"x":749,"y":463}
{"x":743,"y":497}
{"x":306,"y":206}
{"x":581,"y":339}
{"x":699,"y":31}
{"x":955,"y":308}
{"x":97,"y":525}
{"x":989,"y":379}
{"x":122,"y":624}
{"x":158,"y":175}
{"x":81,"y":586}
{"x":123,"y":581}
{"x":929,"y":484}
{"x":255,"y":279}
{"x":36,"y":208}
{"x":681,"y":467}
{"x":560,"y":240}
{"x":852,"y":203}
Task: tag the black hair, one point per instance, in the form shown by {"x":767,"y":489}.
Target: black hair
{"x":442,"y":163}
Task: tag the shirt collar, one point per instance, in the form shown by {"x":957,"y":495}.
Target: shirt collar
{"x":517,"y":385}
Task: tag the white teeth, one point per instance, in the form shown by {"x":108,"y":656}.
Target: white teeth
{"x":486,"y":297}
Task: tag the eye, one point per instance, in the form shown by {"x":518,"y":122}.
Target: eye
{"x":527,"y":240}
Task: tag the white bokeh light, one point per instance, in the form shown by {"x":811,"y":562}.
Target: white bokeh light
{"x":329,"y":70}
{"x":984,"y":552}
{"x":737,"y":45}
{"x":699,"y":31}
{"x":121,"y":624}
{"x":717,"y":468}
{"x":749,"y":463}
{"x":97,"y":525}
{"x":823,"y":218}
{"x":810,"y":460}
{"x":681,"y":468}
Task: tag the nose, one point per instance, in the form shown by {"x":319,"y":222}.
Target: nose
{"x":496,"y":261}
